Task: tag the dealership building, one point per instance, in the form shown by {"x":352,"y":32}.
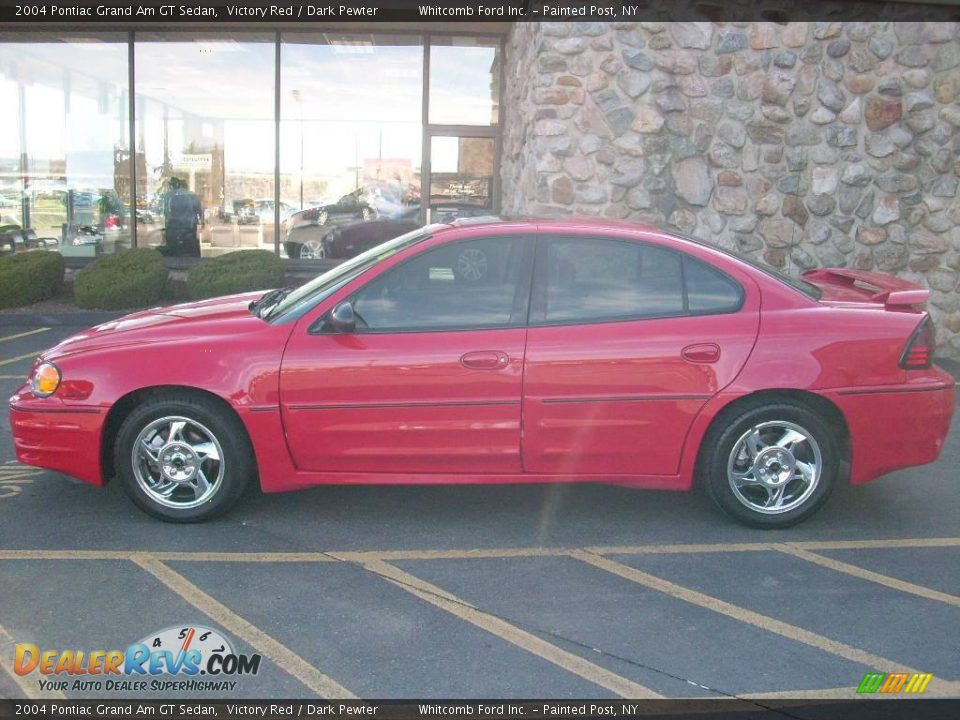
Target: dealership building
{"x":802,"y":144}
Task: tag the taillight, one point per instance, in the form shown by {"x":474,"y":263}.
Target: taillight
{"x":918,"y":354}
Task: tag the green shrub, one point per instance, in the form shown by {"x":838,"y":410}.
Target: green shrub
{"x":235,"y":272}
{"x":30,"y":277}
{"x":126,"y":279}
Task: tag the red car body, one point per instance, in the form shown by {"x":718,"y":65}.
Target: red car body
{"x":624,"y":402}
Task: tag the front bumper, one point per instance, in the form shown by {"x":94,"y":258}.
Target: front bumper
{"x":51,"y":435}
{"x":896,"y":427}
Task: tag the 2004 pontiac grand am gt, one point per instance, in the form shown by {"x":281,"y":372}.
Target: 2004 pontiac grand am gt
{"x":504,"y":352}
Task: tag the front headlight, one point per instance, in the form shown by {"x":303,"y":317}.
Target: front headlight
{"x":45,"y":380}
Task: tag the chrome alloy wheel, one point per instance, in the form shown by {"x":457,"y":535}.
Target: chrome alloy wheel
{"x":178,"y":462}
{"x":472,"y":264}
{"x":774,"y":467}
{"x":312,"y":250}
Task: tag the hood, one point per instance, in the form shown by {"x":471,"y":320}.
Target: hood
{"x":216,"y":316}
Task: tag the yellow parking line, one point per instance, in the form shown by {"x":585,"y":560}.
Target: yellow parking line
{"x":30,"y":687}
{"x":285,"y":658}
{"x":865,"y":574}
{"x":870,"y":544}
{"x":479,"y":553}
{"x":487,"y":553}
{"x":30,"y":356}
{"x":24,"y":334}
{"x":670,"y":549}
{"x":510,"y":633}
{"x":764,"y":622}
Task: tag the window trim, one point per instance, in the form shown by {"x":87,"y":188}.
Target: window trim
{"x":521,"y":296}
{"x":539,"y":287}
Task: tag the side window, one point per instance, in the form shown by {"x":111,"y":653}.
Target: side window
{"x":473,"y":284}
{"x":709,"y":291}
{"x":593,"y":280}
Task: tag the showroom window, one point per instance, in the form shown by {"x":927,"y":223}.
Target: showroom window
{"x":243,"y":139}
{"x":351,"y":132}
{"x":205,"y":133}
{"x":64,"y":150}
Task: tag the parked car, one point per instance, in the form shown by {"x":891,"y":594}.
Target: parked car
{"x":311,"y":223}
{"x":626,"y":354}
{"x":348,"y":240}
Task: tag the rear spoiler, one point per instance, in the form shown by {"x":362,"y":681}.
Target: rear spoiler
{"x":882,"y":288}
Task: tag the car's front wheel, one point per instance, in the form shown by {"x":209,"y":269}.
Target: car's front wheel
{"x":771,"y":466}
{"x":183,"y":459}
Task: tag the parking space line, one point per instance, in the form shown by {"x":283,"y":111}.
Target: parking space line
{"x":670,"y":549}
{"x":24,"y":334}
{"x":880,"y":544}
{"x":510,"y":633}
{"x":19,"y":358}
{"x":31,"y":689}
{"x":13,"y":377}
{"x":764,"y":622}
{"x":267,"y":646}
{"x":865,"y":574}
{"x":479,"y":553}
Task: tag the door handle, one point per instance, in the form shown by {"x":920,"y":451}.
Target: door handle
{"x":485,"y":360}
{"x":701,"y":353}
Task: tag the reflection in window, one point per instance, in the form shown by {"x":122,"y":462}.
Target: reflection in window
{"x":205,"y":143}
{"x":464,"y":81}
{"x":64,"y":180}
{"x":461,"y":177}
{"x":351,"y":132}
{"x":462,"y":286}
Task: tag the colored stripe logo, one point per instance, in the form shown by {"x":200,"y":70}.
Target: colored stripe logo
{"x":892,"y":683}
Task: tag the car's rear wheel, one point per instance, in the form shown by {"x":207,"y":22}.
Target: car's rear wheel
{"x":312,"y":250}
{"x":771,"y":466}
{"x":183,"y":459}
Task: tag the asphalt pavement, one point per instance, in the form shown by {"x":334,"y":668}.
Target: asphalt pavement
{"x":559,"y":591}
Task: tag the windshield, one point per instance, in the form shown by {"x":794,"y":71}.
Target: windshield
{"x":320,"y":287}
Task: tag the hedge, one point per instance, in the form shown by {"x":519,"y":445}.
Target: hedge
{"x":30,"y":277}
{"x":125,"y":279}
{"x":236,"y":272}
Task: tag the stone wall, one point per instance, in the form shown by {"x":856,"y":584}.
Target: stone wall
{"x":803,"y":144}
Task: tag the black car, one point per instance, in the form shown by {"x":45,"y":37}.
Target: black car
{"x":348,"y":240}
{"x":349,"y":208}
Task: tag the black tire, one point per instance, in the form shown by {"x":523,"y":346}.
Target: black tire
{"x":725,"y":436}
{"x":239,"y":466}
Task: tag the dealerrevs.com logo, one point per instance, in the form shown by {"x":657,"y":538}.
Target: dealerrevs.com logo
{"x":182,"y":652}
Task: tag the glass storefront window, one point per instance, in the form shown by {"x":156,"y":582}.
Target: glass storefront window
{"x":205,"y":141}
{"x":64,"y":151}
{"x":461,"y":177}
{"x":464,"y":81}
{"x":351,"y":135}
{"x":359,"y":143}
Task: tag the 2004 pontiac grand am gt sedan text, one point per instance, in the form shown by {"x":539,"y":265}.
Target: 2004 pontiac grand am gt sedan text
{"x":504,"y":352}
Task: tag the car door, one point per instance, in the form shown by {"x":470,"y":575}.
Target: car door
{"x":627,"y":341}
{"x":430,"y":381}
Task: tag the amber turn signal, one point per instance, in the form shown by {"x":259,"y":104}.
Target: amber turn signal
{"x":46,"y":380}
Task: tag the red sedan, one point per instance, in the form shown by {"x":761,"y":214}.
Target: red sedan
{"x":504,"y":352}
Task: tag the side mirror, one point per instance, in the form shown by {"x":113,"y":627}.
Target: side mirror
{"x":342,"y":318}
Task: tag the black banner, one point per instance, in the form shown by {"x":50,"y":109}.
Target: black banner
{"x":714,"y":709}
{"x":297,"y":11}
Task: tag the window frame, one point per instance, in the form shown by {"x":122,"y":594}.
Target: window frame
{"x":521,"y":295}
{"x":536,"y":316}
